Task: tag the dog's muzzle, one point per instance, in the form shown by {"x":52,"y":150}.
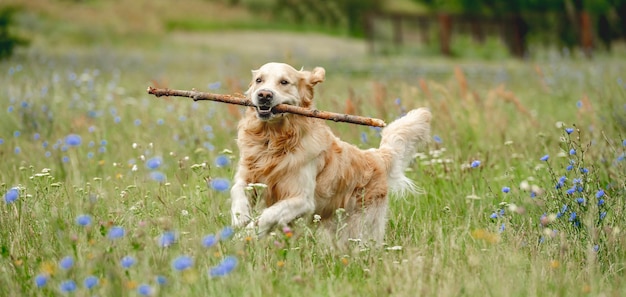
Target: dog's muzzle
{"x":264,"y":99}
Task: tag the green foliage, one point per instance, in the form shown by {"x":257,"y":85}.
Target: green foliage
{"x":8,"y":41}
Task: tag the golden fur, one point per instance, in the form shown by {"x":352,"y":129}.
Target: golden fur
{"x":307,"y":169}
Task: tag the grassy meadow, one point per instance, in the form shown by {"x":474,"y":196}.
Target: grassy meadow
{"x":108,"y":191}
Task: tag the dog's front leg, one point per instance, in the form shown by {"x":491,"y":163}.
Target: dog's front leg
{"x":301,"y":203}
{"x":240,"y":206}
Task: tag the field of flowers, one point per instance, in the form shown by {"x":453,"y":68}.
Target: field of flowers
{"x":108,"y":191}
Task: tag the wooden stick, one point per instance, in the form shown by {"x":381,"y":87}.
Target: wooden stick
{"x":314,"y":113}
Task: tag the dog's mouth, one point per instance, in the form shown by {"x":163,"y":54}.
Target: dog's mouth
{"x":264,"y":112}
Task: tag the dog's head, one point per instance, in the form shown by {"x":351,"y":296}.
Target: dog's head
{"x":279,"y":83}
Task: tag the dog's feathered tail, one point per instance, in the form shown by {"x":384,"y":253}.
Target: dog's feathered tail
{"x":398,"y":146}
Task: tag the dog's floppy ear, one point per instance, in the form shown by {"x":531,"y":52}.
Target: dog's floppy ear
{"x":317,"y":75}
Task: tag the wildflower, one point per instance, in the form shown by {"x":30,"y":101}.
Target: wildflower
{"x":493,"y":216}
{"x":224,"y":268}
{"x":209,"y":241}
{"x":502,"y":227}
{"x":167,"y":238}
{"x":220,"y":184}
{"x":16,"y":134}
{"x":506,"y":189}
{"x":144,"y":289}
{"x":66,"y":263}
{"x":545,"y":158}
{"x":602,"y":215}
{"x":158,"y":176}
{"x":572,"y":152}
{"x":116,"y":232}
{"x":90,"y":282}
{"x":572,"y":216}
{"x":161,"y":280}
{"x":363,"y":137}
{"x":475,"y":164}
{"x":569,"y":130}
{"x":564,"y":208}
{"x":584,"y":170}
{"x":137,"y":122}
{"x":624,"y":142}
{"x":226,"y":232}
{"x":577,"y":181}
{"x":67,"y":286}
{"x":11,"y":195}
{"x":437,"y":139}
{"x":596,"y":248}
{"x":73,"y":140}
{"x":569,"y":167}
{"x":600,"y":202}
{"x":127,"y":261}
{"x":83,"y":220}
{"x":222,"y":161}
{"x":580,"y":200}
{"x":41,"y":280}
{"x":600,"y":193}
{"x":214,"y":85}
{"x":154,"y":163}
{"x":182,"y":263}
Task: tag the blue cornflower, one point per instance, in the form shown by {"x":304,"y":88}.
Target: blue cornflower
{"x":572,"y":216}
{"x":493,"y":216}
{"x":91,"y":129}
{"x":577,"y":181}
{"x":502,"y":227}
{"x":154,"y":163}
{"x":533,"y":194}
{"x":564,"y":208}
{"x":569,"y":167}
{"x":600,"y":202}
{"x":161,"y":280}
{"x":584,"y":170}
{"x":167,"y":238}
{"x":220,"y":184}
{"x":363,"y":137}
{"x":602,"y":215}
{"x":580,"y":200}
{"x":73,"y":140}
{"x":1,"y":140}
{"x":579,"y":104}
{"x":506,"y":189}
{"x":11,"y":195}
{"x":90,"y":282}
{"x":624,"y":142}
{"x":144,"y":289}
{"x":437,"y":139}
{"x":103,"y":142}
{"x":226,"y":232}
{"x":572,"y":152}
{"x":596,"y":248}
{"x":182,"y":262}
{"x":116,"y":232}
{"x":17,"y":150}
{"x":214,"y":85}
{"x":41,"y":280}
{"x":224,"y":268}
{"x":117,"y":119}
{"x":65,"y":159}
{"x":569,"y":130}
{"x":66,"y":263}
{"x":160,"y":122}
{"x":475,"y":164}
{"x":137,"y":122}
{"x":209,"y":240}
{"x":16,"y":133}
{"x":545,"y":158}
{"x":562,"y":179}
{"x":36,"y":136}
{"x":83,"y":220}
{"x":222,"y":161}
{"x":600,"y":193}
{"x":67,"y":286}
{"x":158,"y":176}
{"x":127,"y":261}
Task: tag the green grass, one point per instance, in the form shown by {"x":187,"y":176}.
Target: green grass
{"x":503,"y":114}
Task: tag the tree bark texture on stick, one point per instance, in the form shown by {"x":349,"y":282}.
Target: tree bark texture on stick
{"x":281,"y":108}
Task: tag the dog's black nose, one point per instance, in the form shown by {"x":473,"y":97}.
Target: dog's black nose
{"x":265,"y":96}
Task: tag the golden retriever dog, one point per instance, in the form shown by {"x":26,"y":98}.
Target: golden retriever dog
{"x":308,"y":170}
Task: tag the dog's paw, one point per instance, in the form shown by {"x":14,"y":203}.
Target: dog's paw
{"x":239,"y":220}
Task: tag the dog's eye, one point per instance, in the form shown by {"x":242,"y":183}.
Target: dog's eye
{"x":284,"y":82}
{"x":258,"y":80}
